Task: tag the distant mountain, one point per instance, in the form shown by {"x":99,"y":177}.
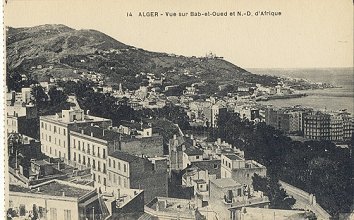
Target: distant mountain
{"x":58,"y":50}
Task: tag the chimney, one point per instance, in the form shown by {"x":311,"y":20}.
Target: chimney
{"x":82,"y":131}
{"x":63,"y":193}
{"x":38,"y":189}
{"x":192,"y":136}
{"x":174,"y":137}
{"x":58,"y":165}
{"x":91,"y":134}
{"x":219,"y":140}
{"x":102,"y":132}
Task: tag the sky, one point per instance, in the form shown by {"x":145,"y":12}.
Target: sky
{"x":309,"y":33}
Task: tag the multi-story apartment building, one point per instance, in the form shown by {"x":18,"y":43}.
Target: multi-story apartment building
{"x":55,"y":130}
{"x":287,"y":120}
{"x":135,"y":172}
{"x":328,"y":126}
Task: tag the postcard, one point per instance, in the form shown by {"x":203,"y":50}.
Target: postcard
{"x":207,"y":110}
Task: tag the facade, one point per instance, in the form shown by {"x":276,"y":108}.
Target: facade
{"x":55,"y":130}
{"x":227,"y":195}
{"x":55,"y":200}
{"x":134,"y":172}
{"x":239,"y":169}
{"x":287,"y":120}
{"x":336,"y":127}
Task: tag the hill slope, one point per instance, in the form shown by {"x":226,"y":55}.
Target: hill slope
{"x":58,"y":50}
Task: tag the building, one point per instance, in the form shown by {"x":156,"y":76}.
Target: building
{"x":171,"y":208}
{"x":56,"y":199}
{"x":288,"y":120}
{"x":135,"y":128}
{"x":226,"y":196}
{"x":241,"y":170}
{"x":336,"y":126}
{"x":55,"y":130}
{"x":199,"y":180}
{"x":213,"y":113}
{"x":134,"y":172}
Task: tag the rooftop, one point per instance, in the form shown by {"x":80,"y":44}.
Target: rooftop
{"x":124,"y":156}
{"x":193,"y":151}
{"x":225,"y":182}
{"x":97,"y":132}
{"x":233,"y":157}
{"x":172,"y":205}
{"x":134,"y":125}
{"x":53,"y":188}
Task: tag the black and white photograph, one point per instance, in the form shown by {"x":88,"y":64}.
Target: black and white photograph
{"x":178,"y":110}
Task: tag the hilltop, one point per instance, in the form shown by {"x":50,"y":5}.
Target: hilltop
{"x":58,"y":50}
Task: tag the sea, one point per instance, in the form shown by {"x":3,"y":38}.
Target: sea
{"x":330,"y":99}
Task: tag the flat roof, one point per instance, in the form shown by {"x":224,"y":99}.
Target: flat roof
{"x":87,"y":119}
{"x":53,"y":188}
{"x":233,"y":157}
{"x":124,"y":156}
{"x":225,"y":182}
{"x":97,"y":132}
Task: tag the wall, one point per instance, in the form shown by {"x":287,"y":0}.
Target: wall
{"x":149,"y":146}
{"x":152,"y":179}
{"x":16,"y":199}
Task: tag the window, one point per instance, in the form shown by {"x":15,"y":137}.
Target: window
{"x":50,"y":138}
{"x":94,"y":177}
{"x":93,"y":150}
{"x":125,"y":168}
{"x":125,"y":182}
{"x":98,"y":151}
{"x":41,"y":124}
{"x":99,"y":165}
{"x":99,"y":179}
{"x":88,"y":148}
{"x":64,"y":132}
{"x":83,"y":146}
{"x":79,"y":158}
{"x":119,"y":180}
{"x":67,"y":214}
{"x":104,"y":153}
{"x":104,"y":168}
{"x":114,"y":164}
{"x":22,"y":210}
{"x":45,"y":126}
{"x":74,"y":143}
{"x":88,"y":161}
{"x":109,"y":176}
{"x":197,"y":157}
{"x":53,"y":213}
{"x":109,"y":162}
{"x":55,"y":129}
{"x":115,"y":178}
{"x":78,"y":145}
{"x":50,"y":127}
{"x":93,"y":164}
{"x":84,"y":160}
{"x":118,"y":165}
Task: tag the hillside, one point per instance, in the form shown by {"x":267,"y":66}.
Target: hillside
{"x":58,"y":50}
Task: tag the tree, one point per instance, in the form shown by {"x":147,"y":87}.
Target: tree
{"x":39,"y":95}
{"x":57,"y":96}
